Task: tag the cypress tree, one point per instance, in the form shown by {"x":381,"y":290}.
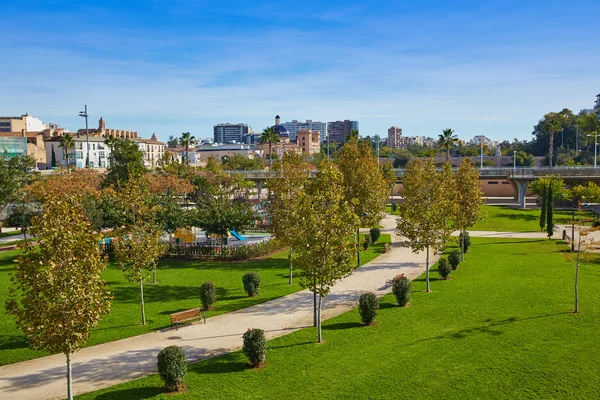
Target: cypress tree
{"x":543,"y":213}
{"x":550,"y":211}
{"x":53,"y":161}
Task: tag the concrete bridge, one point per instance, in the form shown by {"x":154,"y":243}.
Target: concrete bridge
{"x":519,"y":177}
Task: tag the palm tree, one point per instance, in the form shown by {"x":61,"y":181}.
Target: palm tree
{"x":185,"y":140}
{"x":269,"y":136}
{"x":447,"y":140}
{"x":67,"y":143}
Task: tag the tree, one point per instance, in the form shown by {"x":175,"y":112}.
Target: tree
{"x":139,"y":244}
{"x":550,"y":212}
{"x":172,"y":142}
{"x":365,"y":187}
{"x":237,"y":161}
{"x":13,"y":176}
{"x":111,"y":142}
{"x":353,"y":137}
{"x":67,"y":143}
{"x":325,"y":246}
{"x":218,"y":215}
{"x":422,"y":220}
{"x":58,"y":294}
{"x":447,"y":140}
{"x":283,"y":207}
{"x":21,"y":218}
{"x":126,"y":161}
{"x":544,"y":207}
{"x":271,"y":137}
{"x":53,"y":159}
{"x":468,"y":199}
{"x":186,"y":140}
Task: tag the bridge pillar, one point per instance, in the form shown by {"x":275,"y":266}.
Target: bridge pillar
{"x":522,"y":192}
{"x":259,"y":185}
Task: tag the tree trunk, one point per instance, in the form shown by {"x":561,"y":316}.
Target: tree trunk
{"x":154,"y":276}
{"x":291,"y":266}
{"x":315,"y":307}
{"x":447,"y":153}
{"x":142,"y":301}
{"x":551,"y":152}
{"x":577,"y":275}
{"x":270,"y":156}
{"x":427,"y":271}
{"x":319,"y":334}
{"x":69,"y":379}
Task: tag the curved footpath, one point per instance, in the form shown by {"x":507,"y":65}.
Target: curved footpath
{"x":111,"y":363}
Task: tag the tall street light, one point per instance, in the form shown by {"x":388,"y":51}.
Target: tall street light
{"x":514,"y":161}
{"x":595,"y":135}
{"x":87,"y":136}
{"x":363,"y":214}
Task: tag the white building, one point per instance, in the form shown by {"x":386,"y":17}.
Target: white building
{"x":294,"y":126}
{"x":99,"y":152}
{"x":479,"y":140}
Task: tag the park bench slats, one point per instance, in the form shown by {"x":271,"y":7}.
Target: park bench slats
{"x":187,"y":315}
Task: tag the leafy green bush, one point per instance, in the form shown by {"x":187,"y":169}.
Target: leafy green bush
{"x":467,"y":241}
{"x":368,"y":304}
{"x":251,"y":282}
{"x":401,"y":289}
{"x":375,"y":233}
{"x":366,"y":242}
{"x":208,"y":294}
{"x":255,"y":346}
{"x":172,"y":367}
{"x":394,"y":207}
{"x":454,"y":258}
{"x":444,"y":268}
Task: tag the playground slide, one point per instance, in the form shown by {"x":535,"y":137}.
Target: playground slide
{"x":237,"y":235}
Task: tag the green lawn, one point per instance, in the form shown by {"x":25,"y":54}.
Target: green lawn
{"x":177,"y":290}
{"x":502,"y":327}
{"x":510,"y":219}
{"x":12,"y":233}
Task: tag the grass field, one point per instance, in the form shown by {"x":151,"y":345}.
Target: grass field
{"x":502,"y":327}
{"x":510,"y":219}
{"x":11,"y":233}
{"x":177,"y":290}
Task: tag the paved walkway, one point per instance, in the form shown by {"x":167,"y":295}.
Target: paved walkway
{"x":115,"y":362}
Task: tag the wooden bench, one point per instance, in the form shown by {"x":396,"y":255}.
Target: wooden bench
{"x":388,"y":248}
{"x":187,"y":315}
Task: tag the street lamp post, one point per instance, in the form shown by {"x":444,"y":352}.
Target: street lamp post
{"x":514,"y":161}
{"x":87,"y":137}
{"x":595,"y":135}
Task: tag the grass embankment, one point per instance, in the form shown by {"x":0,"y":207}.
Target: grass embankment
{"x":177,"y":289}
{"x":503,"y":327}
{"x":11,"y":233}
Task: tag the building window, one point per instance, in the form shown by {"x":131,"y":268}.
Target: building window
{"x":492,"y":183}
{"x":101,"y":154}
{"x":79,"y":146}
{"x":79,"y":155}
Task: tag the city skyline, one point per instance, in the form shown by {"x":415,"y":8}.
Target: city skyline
{"x":492,"y":69}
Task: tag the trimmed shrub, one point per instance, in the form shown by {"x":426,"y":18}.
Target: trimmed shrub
{"x":444,"y":268}
{"x":394,"y":208}
{"x":401,"y":289}
{"x":255,"y":346}
{"x":368,"y":304}
{"x":208,"y":294}
{"x":251,"y":282}
{"x":375,"y":233}
{"x":172,"y":367}
{"x":366,"y":242}
{"x":467,"y":241}
{"x":454,"y":258}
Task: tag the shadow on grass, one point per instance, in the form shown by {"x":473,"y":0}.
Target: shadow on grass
{"x":385,"y":306}
{"x":341,"y":326}
{"x":13,"y":342}
{"x":221,"y":365}
{"x":489,"y":327}
{"x":132,"y":394}
{"x":509,"y":241}
{"x":519,"y":217}
{"x":292,"y":345}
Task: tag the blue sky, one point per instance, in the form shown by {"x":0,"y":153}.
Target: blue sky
{"x":479,"y":67}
